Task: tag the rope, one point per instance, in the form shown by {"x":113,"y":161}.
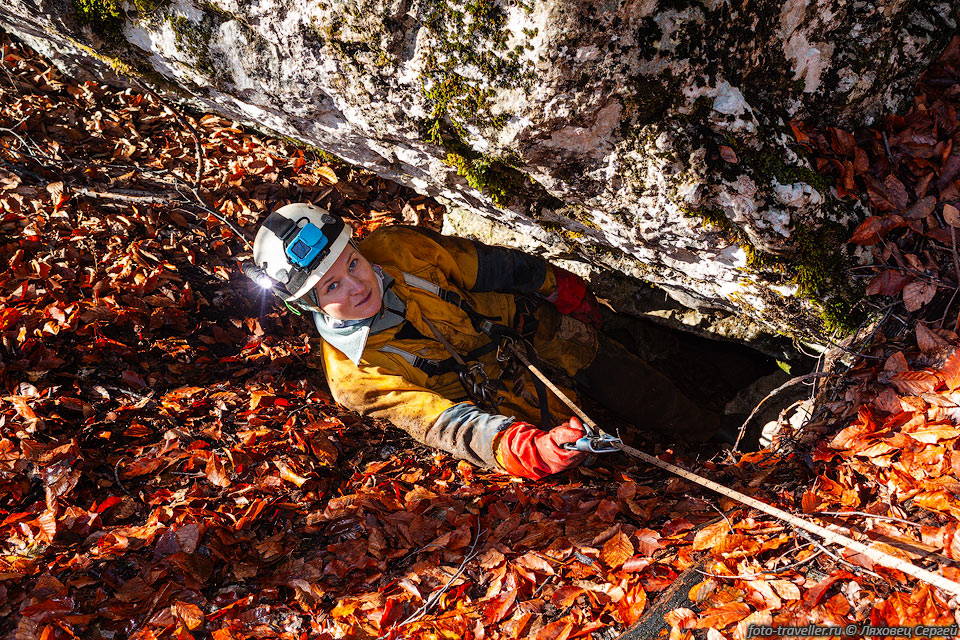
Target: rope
{"x":880,"y":557}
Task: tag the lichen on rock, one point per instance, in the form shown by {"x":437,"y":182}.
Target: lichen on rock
{"x":646,"y":137}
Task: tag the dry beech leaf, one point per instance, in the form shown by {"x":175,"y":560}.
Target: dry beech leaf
{"x":914,"y":382}
{"x":786,"y":589}
{"x":55,"y":189}
{"x":809,"y":501}
{"x":873,"y":229}
{"x":928,"y":341}
{"x":713,"y":634}
{"x":498,"y":608}
{"x":702,"y":590}
{"x":710,"y":536}
{"x":931,"y":435}
{"x":648,"y":541}
{"x":682,"y":618}
{"x":216,"y":473}
{"x":288,"y":474}
{"x":896,"y":362}
{"x":951,"y":216}
{"x":617,"y":550}
{"x":190,"y":614}
{"x":950,"y":372}
{"x":723,"y":616}
{"x":757,"y":618}
{"x":921,"y":208}
{"x":918,"y":293}
{"x":535,"y":562}
{"x":565,"y":595}
{"x":329,"y":175}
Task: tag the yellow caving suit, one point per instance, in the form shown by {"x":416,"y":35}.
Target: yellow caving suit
{"x":436,"y":410}
{"x":370,"y":371}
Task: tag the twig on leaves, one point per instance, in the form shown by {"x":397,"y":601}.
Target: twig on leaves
{"x":541,"y":586}
{"x":756,"y":409}
{"x":124,"y":195}
{"x":20,"y":171}
{"x":764,"y":574}
{"x":435,"y":596}
{"x":25,"y":142}
{"x":854,"y":568}
{"x":199,"y":203}
{"x":13,"y":83}
{"x":722,"y":514}
{"x":116,"y":476}
{"x":886,"y":145}
{"x":869,"y":515}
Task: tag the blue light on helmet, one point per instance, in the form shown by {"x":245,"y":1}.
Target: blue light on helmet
{"x":306,"y":246}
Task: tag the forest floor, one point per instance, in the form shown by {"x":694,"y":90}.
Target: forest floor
{"x":172,"y":466}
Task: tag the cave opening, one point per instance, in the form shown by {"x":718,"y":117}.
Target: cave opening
{"x":724,"y":376}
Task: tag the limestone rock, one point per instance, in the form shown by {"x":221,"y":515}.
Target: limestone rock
{"x":647,"y":137}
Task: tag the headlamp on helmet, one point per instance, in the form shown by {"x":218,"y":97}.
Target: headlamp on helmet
{"x":296,"y":245}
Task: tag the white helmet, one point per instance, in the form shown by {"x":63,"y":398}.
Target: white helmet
{"x":295,"y":246}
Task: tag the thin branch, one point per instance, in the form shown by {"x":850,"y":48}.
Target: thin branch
{"x":435,"y":596}
{"x":116,"y":476}
{"x":754,"y":576}
{"x":886,"y":145}
{"x":756,"y":409}
{"x":913,"y":272}
{"x":203,"y":205}
{"x":869,"y":515}
{"x":124,"y":195}
{"x":722,"y":514}
{"x":849,"y":565}
{"x":20,"y":171}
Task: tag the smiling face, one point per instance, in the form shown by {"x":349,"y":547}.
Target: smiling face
{"x":349,"y":289}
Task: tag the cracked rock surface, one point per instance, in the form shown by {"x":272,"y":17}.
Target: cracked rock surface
{"x":647,"y":137}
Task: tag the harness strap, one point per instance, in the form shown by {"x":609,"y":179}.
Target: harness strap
{"x":437,"y":367}
{"x":480,"y":322}
{"x":484,"y":324}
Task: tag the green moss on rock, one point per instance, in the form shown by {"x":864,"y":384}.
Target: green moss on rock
{"x":497,"y":179}
{"x":817,"y":268}
{"x":468,"y":61}
{"x":104,"y":17}
{"x":194,"y":40}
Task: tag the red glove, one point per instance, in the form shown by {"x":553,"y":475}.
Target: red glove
{"x":529,"y":452}
{"x":573,"y":299}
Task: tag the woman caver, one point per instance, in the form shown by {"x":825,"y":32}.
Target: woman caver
{"x":386,"y":307}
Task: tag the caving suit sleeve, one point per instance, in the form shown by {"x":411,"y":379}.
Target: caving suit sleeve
{"x":459,"y":428}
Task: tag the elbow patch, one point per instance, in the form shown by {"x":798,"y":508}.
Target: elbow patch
{"x":500,"y":269}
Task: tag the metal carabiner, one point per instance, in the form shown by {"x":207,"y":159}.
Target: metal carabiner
{"x":477,"y":385}
{"x":595,"y":441}
{"x":603,"y":443}
{"x":505,"y":350}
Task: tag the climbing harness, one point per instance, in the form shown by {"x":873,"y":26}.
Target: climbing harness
{"x":474,"y":379}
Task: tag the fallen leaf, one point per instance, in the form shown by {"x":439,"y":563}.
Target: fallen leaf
{"x":617,"y":550}
{"x":710,"y":536}
{"x":722,"y":616}
{"x":951,"y":216}
{"x":918,"y":293}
